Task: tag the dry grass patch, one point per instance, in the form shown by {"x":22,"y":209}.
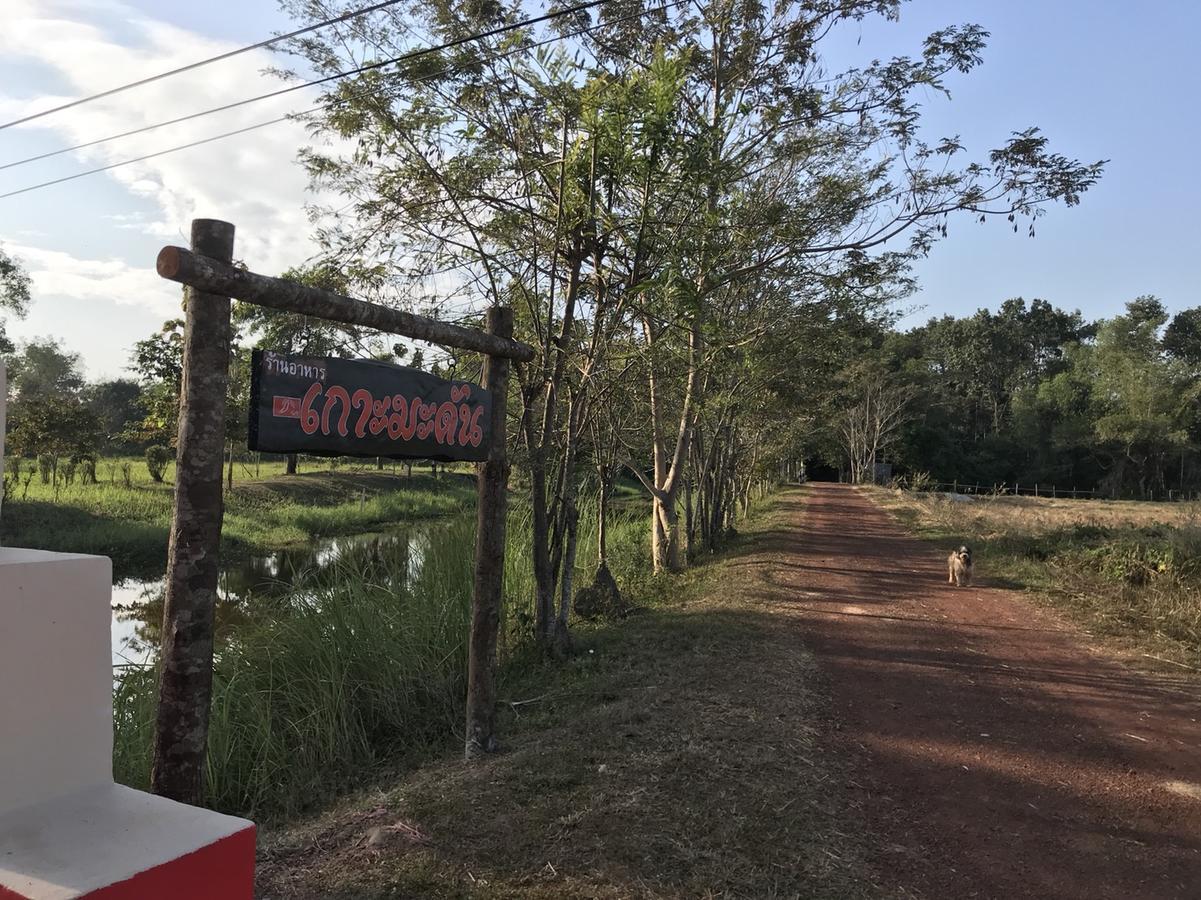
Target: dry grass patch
{"x":674,"y":756}
{"x":1129,"y":572}
{"x":985,"y":513}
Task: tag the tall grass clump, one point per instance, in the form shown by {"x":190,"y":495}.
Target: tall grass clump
{"x":356,"y":668}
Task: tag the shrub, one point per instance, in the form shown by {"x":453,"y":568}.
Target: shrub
{"x":67,"y":470}
{"x":12,"y":476}
{"x":127,"y":474}
{"x":47,"y":463}
{"x":87,"y":469}
{"x":157,"y":458}
{"x":921,"y":482}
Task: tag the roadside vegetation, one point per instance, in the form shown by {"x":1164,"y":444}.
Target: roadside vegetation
{"x":675,"y":755}
{"x":1128,"y":571}
{"x":361,"y":666}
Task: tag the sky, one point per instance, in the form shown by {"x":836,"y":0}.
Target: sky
{"x":1102,"y":81}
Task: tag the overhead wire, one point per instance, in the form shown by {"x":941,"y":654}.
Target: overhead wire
{"x":315,"y":82}
{"x":353,"y":14}
{"x":358,"y":70}
{"x":425,"y":51}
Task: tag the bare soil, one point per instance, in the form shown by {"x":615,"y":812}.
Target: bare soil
{"x":992,"y":751}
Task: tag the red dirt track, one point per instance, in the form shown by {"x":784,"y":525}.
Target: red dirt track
{"x":991,"y":750}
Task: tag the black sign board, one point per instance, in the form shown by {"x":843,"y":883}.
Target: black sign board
{"x":355,"y":407}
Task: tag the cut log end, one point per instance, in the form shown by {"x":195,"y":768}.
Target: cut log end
{"x":168,"y":262}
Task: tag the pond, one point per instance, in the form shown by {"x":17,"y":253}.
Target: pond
{"x":253,"y":589}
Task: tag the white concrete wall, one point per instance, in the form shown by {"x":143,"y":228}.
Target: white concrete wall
{"x":56,"y":703}
{"x":3,"y":405}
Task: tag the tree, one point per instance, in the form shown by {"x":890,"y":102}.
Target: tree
{"x":1182,"y":339}
{"x":662,"y":184}
{"x":869,"y":425}
{"x":58,"y":425}
{"x":42,"y":369}
{"x":14,"y":293}
{"x":117,"y":405}
{"x":1137,"y":397}
{"x":157,"y":361}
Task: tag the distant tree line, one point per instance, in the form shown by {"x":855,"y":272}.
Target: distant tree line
{"x":1030,"y":394}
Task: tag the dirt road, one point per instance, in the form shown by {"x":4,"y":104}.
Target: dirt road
{"x":995,"y":753}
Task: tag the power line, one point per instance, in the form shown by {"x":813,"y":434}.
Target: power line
{"x":127,"y":162}
{"x":204,"y":62}
{"x":217,"y":137}
{"x":404,"y":57}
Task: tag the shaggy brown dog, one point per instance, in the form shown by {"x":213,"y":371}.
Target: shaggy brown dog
{"x":959,"y":567}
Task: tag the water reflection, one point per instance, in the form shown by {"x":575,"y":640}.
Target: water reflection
{"x":264,"y":587}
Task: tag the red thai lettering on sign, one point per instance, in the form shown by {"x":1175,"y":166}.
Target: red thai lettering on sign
{"x":285,"y":407}
{"x":451,"y":423}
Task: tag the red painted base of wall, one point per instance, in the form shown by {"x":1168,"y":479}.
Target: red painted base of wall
{"x":221,"y":871}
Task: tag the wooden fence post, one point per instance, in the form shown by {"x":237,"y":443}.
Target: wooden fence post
{"x":492,"y":482}
{"x":186,"y":669}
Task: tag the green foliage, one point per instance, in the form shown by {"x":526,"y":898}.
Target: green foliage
{"x":14,"y":284}
{"x":14,"y":293}
{"x":1182,"y":339}
{"x":46,"y":466}
{"x":42,"y":370}
{"x":117,"y":405}
{"x":1033,"y":394}
{"x":158,"y":458}
{"x":358,"y":670}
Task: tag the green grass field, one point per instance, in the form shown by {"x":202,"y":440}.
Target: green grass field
{"x":128,"y":521}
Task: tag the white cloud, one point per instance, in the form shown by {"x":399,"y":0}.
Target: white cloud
{"x":250,"y":180}
{"x":59,"y":274}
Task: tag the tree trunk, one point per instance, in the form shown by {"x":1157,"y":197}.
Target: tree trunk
{"x":689,"y":522}
{"x":186,"y":668}
{"x":544,"y":586}
{"x":488,"y":586}
{"x":666,"y":544}
{"x":602,"y":517}
{"x":292,"y":460}
{"x":229,"y":471}
{"x":562,"y":636}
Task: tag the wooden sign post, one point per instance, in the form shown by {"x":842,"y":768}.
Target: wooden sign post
{"x":186,"y":665}
{"x":489,"y":554}
{"x":186,"y":686}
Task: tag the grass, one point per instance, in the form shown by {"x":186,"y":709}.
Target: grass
{"x":130,"y":523}
{"x":1130,"y":572}
{"x":676,"y":755}
{"x":360,"y":665}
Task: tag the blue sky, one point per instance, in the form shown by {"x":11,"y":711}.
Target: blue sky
{"x":1100,"y":79}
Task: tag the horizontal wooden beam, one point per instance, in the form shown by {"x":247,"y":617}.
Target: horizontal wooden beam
{"x":215,"y":277}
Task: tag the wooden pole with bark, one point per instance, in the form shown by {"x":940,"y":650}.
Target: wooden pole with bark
{"x":217,"y":275}
{"x":492,"y":487}
{"x":186,"y":670}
